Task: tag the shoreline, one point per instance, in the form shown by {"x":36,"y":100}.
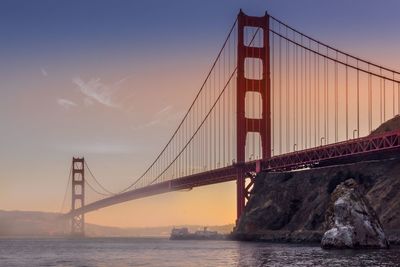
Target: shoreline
{"x":299,"y":237}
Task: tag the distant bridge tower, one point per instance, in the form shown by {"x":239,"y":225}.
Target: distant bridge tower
{"x":245,"y":125}
{"x":78,"y":196}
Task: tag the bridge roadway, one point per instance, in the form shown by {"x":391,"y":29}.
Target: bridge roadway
{"x":379,"y":146}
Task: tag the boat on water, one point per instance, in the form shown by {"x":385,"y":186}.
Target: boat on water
{"x":184,"y":234}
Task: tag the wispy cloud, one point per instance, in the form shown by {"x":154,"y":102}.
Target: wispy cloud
{"x":44,"y":72}
{"x":96,"y":91}
{"x":65,"y":103}
{"x":163,"y":117}
{"x":164,"y":110}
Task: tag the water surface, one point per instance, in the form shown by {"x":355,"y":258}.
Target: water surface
{"x":163,"y":252}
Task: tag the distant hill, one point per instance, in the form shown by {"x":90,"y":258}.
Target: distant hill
{"x":33,"y":223}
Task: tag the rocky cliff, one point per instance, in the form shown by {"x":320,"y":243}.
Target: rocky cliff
{"x":291,"y":206}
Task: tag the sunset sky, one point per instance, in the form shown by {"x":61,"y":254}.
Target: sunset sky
{"x":110,"y":81}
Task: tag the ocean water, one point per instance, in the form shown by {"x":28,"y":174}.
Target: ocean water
{"x":163,"y":252}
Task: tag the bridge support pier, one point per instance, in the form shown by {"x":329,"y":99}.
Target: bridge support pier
{"x":246,"y":125}
{"x":240,"y":194}
{"x":78,"y":196}
{"x":244,"y":184}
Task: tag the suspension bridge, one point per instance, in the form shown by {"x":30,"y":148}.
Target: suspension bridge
{"x":273,"y":100}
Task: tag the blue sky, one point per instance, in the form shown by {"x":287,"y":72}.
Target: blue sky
{"x":46,"y":27}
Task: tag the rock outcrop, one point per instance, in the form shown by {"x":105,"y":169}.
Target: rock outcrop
{"x":291,"y":206}
{"x":351,"y":221}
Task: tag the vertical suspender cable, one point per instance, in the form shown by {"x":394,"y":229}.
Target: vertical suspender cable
{"x":358,"y":101}
{"x":380,"y":91}
{"x":398,"y":98}
{"x":294,"y":92}
{"x":215,"y":120}
{"x":218,"y":161}
{"x":273,"y":90}
{"x":301,"y":96}
{"x":347,"y":100}
{"x":369,"y":102}
{"x":393,"y":96}
{"x":336,"y":98}
{"x":315,"y":100}
{"x":280,"y":92}
{"x":296,"y":97}
{"x":224,"y":113}
{"x":287,"y":94}
{"x":229,"y":106}
{"x":318,"y":93}
{"x":310,"y":94}
{"x":384,"y":99}
{"x":305,"y":98}
{"x":325,"y":101}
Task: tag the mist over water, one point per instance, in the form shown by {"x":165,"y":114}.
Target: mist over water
{"x":163,"y":252}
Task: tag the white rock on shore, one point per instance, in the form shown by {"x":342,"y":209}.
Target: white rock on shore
{"x":351,"y":221}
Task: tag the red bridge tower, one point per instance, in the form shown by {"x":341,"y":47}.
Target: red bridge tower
{"x":78,"y":196}
{"x":245,"y":125}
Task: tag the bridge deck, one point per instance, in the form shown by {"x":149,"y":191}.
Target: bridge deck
{"x":369,"y":147}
